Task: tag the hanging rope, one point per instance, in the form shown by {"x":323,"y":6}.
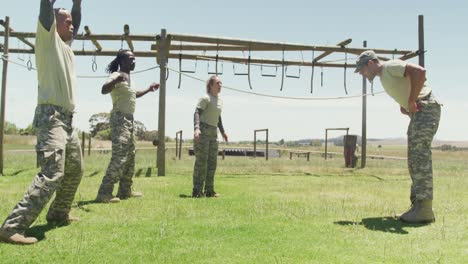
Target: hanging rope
{"x":312,"y":74}
{"x":180,"y":65}
{"x":345,"y":66}
{"x":82,"y":41}
{"x":282,"y":72}
{"x":248,"y":70}
{"x":321,"y":76}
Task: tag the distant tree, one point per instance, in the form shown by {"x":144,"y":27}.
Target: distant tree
{"x":28,"y":131}
{"x":447,"y":147}
{"x":140,"y":129}
{"x":10,"y":128}
{"x":99,"y":122}
{"x":281,"y":142}
{"x":103,"y":134}
{"x":149,"y":135}
{"x":316,"y":143}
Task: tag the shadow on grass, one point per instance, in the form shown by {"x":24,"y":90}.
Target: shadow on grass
{"x":81,"y":205}
{"x":40,"y":230}
{"x":18,"y":172}
{"x":185,"y":196}
{"x":94,"y":173}
{"x":148,"y":172}
{"x":384,"y":224}
{"x":138,"y":173}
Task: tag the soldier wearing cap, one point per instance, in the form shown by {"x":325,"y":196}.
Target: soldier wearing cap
{"x":406,"y":84}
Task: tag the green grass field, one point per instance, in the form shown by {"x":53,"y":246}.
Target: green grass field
{"x":276,"y":211}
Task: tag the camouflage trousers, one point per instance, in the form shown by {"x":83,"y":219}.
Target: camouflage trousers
{"x":206,"y":157}
{"x":59,"y":155}
{"x":122,"y":164}
{"x":421,"y":130}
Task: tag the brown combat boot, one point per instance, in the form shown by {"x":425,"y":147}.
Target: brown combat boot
{"x":51,"y":218}
{"x":16,"y":238}
{"x":420,"y":212}
{"x":107,"y":199}
{"x":133,"y":194}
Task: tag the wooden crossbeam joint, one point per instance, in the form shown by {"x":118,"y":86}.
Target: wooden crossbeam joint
{"x":94,"y":41}
{"x":127,"y":37}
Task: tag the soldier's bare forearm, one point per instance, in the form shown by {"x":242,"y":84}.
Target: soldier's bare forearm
{"x":46,"y":13}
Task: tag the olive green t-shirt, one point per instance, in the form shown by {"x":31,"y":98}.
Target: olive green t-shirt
{"x":55,"y":64}
{"x":211,"y":106}
{"x":396,"y":84}
{"x":123,"y":96}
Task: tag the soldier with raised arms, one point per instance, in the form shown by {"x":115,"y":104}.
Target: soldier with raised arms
{"x":58,"y":146}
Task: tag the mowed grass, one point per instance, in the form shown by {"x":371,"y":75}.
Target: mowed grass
{"x":275,"y":211}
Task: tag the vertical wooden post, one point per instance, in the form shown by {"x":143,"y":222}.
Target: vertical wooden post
{"x":180,"y":145}
{"x":163,"y":51}
{"x":290,"y":155}
{"x":224,"y":154}
{"x":326,"y":143}
{"x":4,"y":84}
{"x":83,"y":143}
{"x":421,"y":40}
{"x":364,"y":120}
{"x":177,"y":145}
{"x":266,"y":154}
{"x":308,"y":156}
{"x":255,"y":144}
{"x":89,"y":145}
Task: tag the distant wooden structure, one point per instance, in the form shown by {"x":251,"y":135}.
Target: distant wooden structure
{"x":163,"y":49}
{"x":326,"y":138}
{"x":266,"y":142}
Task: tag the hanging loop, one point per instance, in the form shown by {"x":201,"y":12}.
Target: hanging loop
{"x":94,"y":65}
{"x":29,"y":64}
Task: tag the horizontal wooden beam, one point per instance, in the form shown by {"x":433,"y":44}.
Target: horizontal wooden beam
{"x":275,"y":45}
{"x":105,"y":53}
{"x":153,"y":54}
{"x":103,"y":37}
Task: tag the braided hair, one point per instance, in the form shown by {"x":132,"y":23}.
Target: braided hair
{"x":115,"y":64}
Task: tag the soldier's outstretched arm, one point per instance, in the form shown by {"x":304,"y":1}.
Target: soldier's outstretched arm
{"x":46,"y":13}
{"x":76,"y":16}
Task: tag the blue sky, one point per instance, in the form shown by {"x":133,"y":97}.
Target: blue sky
{"x":387,"y":25}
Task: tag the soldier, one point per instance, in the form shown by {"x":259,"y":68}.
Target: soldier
{"x":405,"y":83}
{"x":58,"y":146}
{"x":122,"y":163}
{"x":207,"y":119}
